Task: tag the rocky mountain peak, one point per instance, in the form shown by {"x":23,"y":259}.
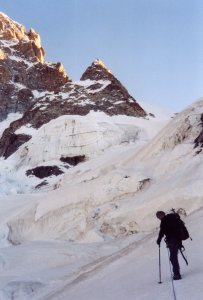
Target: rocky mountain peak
{"x":99,"y":63}
{"x":108,"y":92}
{"x":23,"y":71}
{"x":28,"y":44}
{"x":10,"y":29}
{"x":97,"y":71}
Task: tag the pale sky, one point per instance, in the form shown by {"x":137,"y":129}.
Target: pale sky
{"x":154,"y":47}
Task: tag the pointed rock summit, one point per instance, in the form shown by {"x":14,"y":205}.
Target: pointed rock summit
{"x":108,"y":92}
{"x":97,"y":71}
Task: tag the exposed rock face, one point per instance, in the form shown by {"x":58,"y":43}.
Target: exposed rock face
{"x":73,"y":161}
{"x":10,"y":29}
{"x":98,"y":71}
{"x":13,"y":142}
{"x":44,"y":171}
{"x":42,"y":91}
{"x":28,"y":44}
{"x":107,"y":91}
{"x":22,"y":68}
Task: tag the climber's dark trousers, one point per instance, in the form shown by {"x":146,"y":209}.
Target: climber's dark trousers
{"x":174,"y":258}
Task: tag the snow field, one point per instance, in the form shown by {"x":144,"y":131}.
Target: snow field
{"x":88,"y":224}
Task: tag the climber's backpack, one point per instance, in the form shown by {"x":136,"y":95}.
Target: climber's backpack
{"x":183,"y":232}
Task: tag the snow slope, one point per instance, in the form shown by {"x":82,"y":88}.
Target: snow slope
{"x":78,"y":241}
{"x":134,"y":274}
{"x":69,"y":136}
{"x":116,"y":193}
{"x":124,"y":269}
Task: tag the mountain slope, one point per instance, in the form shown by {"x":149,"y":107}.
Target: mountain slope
{"x":42,"y":91}
{"x":115,"y":194}
{"x":135,"y":274}
{"x":98,"y":270}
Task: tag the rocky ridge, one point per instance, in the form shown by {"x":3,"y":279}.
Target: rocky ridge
{"x":23,"y":71}
{"x":108,"y":92}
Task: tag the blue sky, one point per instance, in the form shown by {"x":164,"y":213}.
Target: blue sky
{"x":154,"y":47}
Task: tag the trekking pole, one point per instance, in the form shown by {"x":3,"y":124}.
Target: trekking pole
{"x":174,"y":294}
{"x":159,"y":265}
